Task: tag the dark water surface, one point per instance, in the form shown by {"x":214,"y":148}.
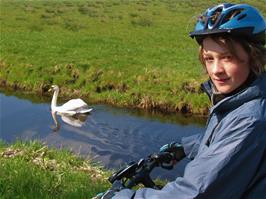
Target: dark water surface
{"x":110,"y":135}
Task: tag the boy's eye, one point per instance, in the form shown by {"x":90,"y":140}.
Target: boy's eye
{"x":208,"y":59}
{"x":227,"y":57}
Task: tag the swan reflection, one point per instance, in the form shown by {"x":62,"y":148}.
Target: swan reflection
{"x":77,"y":120}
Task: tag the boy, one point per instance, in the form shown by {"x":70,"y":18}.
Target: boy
{"x":228,"y":161}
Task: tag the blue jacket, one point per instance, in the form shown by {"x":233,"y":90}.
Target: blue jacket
{"x":229,"y":160}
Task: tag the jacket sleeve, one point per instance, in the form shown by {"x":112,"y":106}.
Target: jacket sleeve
{"x":217,"y":171}
{"x":191,"y":145}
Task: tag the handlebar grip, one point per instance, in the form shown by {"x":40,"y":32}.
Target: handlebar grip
{"x":167,"y":166}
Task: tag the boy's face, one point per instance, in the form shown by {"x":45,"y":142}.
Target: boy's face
{"x":226,"y":72}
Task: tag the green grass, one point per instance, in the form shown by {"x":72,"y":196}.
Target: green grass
{"x":31,"y":170}
{"x":127,"y":53}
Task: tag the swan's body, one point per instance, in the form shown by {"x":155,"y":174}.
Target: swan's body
{"x":72,"y":107}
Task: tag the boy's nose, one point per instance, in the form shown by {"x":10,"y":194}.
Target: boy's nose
{"x":217,"y":67}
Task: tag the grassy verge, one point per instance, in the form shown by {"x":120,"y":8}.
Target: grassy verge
{"x":31,"y":170}
{"x":127,"y":53}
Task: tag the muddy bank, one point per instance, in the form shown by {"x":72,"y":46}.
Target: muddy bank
{"x":140,"y":102}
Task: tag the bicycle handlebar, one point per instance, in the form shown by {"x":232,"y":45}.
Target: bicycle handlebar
{"x":139,"y":172}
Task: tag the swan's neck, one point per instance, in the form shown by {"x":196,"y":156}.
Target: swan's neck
{"x":54,"y":99}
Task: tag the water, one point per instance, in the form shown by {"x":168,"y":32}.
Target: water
{"x":112,"y":136}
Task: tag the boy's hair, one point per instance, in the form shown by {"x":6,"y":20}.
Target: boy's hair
{"x":256,"y":52}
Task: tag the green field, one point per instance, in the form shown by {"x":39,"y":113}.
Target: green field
{"x":31,"y":170}
{"x":126,"y":53}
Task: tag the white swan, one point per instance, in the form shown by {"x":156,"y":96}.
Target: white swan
{"x":72,"y":107}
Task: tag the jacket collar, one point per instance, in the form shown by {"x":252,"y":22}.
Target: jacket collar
{"x":255,"y":89}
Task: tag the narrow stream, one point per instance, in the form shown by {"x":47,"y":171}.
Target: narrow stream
{"x":112,"y":136}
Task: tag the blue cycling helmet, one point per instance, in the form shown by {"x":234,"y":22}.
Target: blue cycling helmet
{"x":240,"y":20}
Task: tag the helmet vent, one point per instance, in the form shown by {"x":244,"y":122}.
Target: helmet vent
{"x":241,"y":16}
{"x":215,"y":16}
{"x":233,"y":14}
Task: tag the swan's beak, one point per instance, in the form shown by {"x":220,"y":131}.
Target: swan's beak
{"x":51,"y":89}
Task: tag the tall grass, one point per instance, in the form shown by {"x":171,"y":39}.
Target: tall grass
{"x":129,"y":53}
{"x":31,"y":170}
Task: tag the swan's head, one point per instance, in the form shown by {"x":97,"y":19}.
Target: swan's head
{"x":54,"y":88}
